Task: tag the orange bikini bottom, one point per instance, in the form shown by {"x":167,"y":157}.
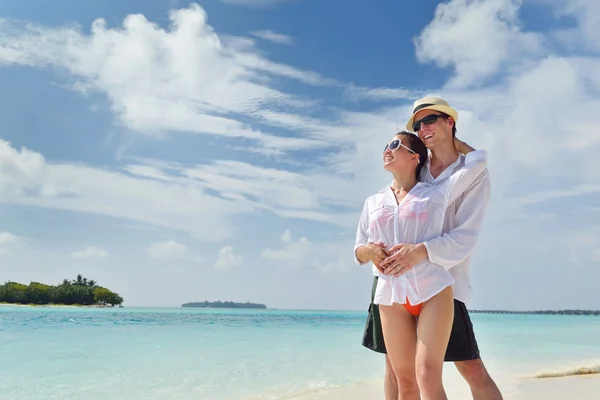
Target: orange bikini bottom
{"x":414,"y":310}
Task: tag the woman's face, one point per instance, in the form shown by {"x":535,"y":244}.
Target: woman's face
{"x":397,"y":155}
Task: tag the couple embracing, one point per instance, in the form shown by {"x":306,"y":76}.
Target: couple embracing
{"x":419,"y":233}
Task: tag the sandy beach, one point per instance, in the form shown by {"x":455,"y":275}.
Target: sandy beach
{"x":580,"y":387}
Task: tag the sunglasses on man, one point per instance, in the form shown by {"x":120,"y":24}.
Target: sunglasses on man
{"x":428,"y":120}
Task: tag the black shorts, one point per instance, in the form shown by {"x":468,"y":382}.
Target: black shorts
{"x":461,"y":347}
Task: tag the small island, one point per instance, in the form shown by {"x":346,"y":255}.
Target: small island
{"x":78,"y":292}
{"x":541,"y":312}
{"x":222,"y":304}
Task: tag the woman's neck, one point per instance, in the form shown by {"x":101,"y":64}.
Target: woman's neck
{"x":402,"y":183}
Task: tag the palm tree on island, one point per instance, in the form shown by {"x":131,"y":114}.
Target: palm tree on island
{"x":78,"y":292}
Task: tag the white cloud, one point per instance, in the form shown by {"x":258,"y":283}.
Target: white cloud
{"x":20,"y":171}
{"x":584,"y":35}
{"x":167,"y":250}
{"x":170,"y":195}
{"x":185,"y":79}
{"x":227,"y":258}
{"x":7,"y":241}
{"x":91,"y":252}
{"x":177,"y":204}
{"x":476,"y":38}
{"x":271,"y":36}
{"x":7,"y":238}
{"x":302,"y":253}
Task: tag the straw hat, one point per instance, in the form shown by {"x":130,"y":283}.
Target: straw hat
{"x":431,"y":103}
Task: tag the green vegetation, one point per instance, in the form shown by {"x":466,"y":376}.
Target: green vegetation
{"x":223,"y":304}
{"x":80,"y":291}
{"x":544,"y":312}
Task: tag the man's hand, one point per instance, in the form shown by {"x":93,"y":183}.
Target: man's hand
{"x":404,"y":257}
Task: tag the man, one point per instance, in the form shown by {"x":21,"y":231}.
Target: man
{"x":435,"y":123}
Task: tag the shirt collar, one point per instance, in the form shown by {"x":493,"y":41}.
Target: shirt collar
{"x":445,"y":173}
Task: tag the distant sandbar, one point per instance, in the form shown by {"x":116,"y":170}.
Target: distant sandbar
{"x":223,"y":304}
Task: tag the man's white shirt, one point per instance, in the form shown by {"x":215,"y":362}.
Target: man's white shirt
{"x":462,"y":225}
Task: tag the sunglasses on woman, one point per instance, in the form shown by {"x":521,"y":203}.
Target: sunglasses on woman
{"x":394,"y":144}
{"x":428,"y":120}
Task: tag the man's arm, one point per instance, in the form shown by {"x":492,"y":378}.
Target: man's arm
{"x":450,"y":248}
{"x":454,"y":247}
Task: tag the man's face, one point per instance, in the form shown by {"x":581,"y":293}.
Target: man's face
{"x":439,"y":132}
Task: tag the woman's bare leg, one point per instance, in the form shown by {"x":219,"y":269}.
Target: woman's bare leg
{"x":400,"y":335}
{"x":435,"y":324}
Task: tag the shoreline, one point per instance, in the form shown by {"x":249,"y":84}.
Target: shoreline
{"x":54,"y":305}
{"x":580,"y":382}
{"x":563,"y":387}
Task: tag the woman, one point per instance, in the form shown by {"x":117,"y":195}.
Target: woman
{"x":413,"y":212}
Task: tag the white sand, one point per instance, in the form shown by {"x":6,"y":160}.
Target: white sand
{"x":52,"y":305}
{"x":581,"y":387}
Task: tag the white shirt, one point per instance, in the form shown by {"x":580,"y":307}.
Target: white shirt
{"x":464,"y":219}
{"x":419,"y":217}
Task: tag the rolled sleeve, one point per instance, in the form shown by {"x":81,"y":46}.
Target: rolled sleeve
{"x":362,"y":234}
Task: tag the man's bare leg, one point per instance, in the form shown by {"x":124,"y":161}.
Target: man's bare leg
{"x":390,"y":384}
{"x":481,"y":383}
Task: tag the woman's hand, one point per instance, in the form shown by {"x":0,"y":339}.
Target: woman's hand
{"x":404,"y":257}
{"x":375,"y":252}
{"x":462,"y":147}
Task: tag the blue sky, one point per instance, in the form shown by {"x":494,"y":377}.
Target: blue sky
{"x":180,"y":151}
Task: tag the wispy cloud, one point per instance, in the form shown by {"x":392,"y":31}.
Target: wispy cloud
{"x":380,"y":94}
{"x":549,"y":195}
{"x":91,"y":252}
{"x":271,"y":36}
{"x":103,"y":192}
{"x":184,"y":79}
{"x":255,"y":3}
{"x":169,"y":249}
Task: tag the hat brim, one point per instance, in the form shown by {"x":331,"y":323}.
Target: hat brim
{"x":435,"y":107}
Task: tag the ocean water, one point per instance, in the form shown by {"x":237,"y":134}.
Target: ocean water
{"x":138,"y":353}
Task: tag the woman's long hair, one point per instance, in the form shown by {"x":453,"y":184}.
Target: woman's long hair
{"x":416,"y":145}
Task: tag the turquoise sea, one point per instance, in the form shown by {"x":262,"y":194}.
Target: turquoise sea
{"x":170,"y":353}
